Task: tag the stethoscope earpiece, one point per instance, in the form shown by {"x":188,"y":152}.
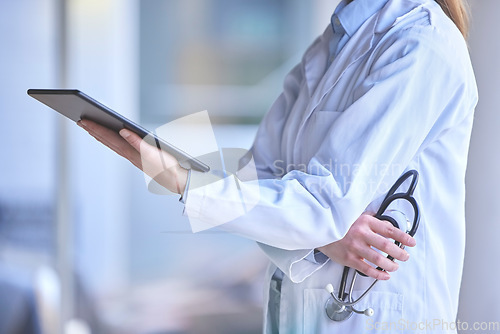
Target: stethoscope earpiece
{"x":369,"y":312}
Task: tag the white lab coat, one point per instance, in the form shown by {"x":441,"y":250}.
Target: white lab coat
{"x":400,"y":95}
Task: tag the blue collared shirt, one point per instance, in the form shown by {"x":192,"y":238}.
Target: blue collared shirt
{"x":346,"y":20}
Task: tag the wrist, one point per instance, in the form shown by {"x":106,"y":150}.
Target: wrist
{"x":182,"y":176}
{"x":173,"y":179}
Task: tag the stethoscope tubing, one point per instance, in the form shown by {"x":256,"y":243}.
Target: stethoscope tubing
{"x":351,"y":302}
{"x":389,"y":198}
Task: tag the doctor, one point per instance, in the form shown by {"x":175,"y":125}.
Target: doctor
{"x":388,"y":87}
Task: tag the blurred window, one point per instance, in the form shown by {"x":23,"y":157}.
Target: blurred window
{"x":227,"y":56}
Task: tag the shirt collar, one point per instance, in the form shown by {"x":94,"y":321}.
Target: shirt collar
{"x":347,"y":18}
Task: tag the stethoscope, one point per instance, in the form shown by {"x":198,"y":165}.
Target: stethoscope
{"x":341,"y":307}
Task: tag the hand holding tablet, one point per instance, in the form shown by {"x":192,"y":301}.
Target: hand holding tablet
{"x":158,"y":164}
{"x":158,"y":159}
{"x":77,"y":106}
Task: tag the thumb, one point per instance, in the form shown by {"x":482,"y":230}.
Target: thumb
{"x":133,"y":139}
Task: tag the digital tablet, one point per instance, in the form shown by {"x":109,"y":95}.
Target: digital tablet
{"x":76,"y":106}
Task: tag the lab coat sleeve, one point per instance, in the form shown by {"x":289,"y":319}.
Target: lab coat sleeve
{"x":298,"y":264}
{"x":295,"y":263}
{"x":269,"y":135}
{"x":415,"y":91}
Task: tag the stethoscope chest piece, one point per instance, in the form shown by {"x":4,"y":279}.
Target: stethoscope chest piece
{"x":337,"y":312}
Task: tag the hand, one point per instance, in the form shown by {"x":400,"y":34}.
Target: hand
{"x":156,"y":163}
{"x":356,"y":247}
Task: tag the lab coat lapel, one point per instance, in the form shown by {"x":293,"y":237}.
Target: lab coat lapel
{"x":322,"y":80}
{"x":357,"y":47}
{"x":316,"y":60}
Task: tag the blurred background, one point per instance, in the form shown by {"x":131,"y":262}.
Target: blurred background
{"x":84,"y":247}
